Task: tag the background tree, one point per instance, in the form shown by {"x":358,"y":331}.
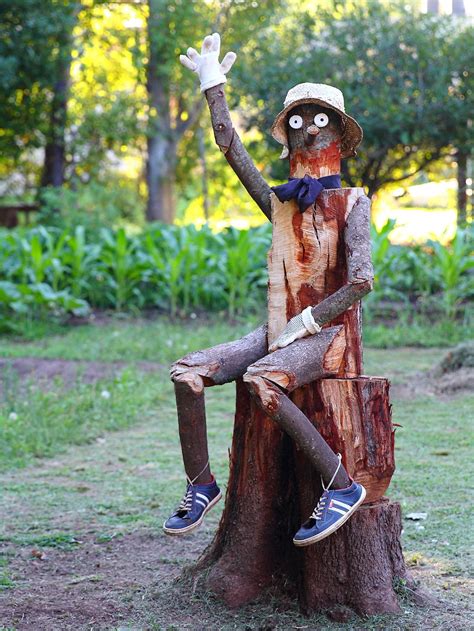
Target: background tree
{"x":175,"y":104}
{"x":92,"y":95}
{"x":55,"y":148}
{"x":395,"y":71}
{"x":461,"y":93}
{"x":30,"y":56}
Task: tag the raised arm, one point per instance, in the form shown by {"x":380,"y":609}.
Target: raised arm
{"x":360,"y":276}
{"x":212,"y":76}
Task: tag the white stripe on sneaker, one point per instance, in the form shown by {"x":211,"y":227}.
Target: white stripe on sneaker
{"x":342,"y":504}
{"x":338,"y":510}
{"x":201,"y":503}
{"x":203,"y":497}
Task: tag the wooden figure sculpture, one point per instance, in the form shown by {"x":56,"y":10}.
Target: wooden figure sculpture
{"x":300,"y":374}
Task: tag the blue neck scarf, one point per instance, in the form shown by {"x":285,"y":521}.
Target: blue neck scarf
{"x":306,"y":189}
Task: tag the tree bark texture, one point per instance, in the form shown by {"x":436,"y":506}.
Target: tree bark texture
{"x":273,"y":488}
{"x":55,"y":151}
{"x":236,"y":155}
{"x":273,"y":485}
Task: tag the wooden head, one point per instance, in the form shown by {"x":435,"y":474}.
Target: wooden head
{"x":314,"y":139}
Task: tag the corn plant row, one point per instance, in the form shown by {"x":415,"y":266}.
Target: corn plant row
{"x":178,"y":269}
{"x":181,"y":269}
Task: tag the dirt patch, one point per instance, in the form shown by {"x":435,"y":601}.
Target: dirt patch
{"x":91,"y":586}
{"x":47,"y":371}
{"x":130,"y":583}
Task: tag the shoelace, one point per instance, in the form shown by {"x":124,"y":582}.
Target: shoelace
{"x":186,"y":503}
{"x":317,"y":514}
{"x":318,"y":511}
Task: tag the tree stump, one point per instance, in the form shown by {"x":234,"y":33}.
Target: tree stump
{"x":272,"y":487}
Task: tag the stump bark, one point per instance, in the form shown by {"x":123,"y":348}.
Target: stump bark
{"x":272,"y":487}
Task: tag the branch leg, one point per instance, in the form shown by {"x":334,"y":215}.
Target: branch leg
{"x":189,"y":390}
{"x":209,"y":367}
{"x":302,"y":362}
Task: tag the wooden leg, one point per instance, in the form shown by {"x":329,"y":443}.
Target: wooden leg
{"x":217,"y":365}
{"x":302,"y":362}
{"x":189,"y":390}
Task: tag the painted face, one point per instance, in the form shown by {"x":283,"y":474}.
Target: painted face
{"x":312,"y":127}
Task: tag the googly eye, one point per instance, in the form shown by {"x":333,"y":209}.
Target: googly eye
{"x":321,"y":119}
{"x":296,"y":122}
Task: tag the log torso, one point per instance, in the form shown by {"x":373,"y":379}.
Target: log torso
{"x":306,"y":263}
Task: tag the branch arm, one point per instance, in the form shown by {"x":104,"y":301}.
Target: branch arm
{"x":360,"y":272}
{"x":236,"y":155}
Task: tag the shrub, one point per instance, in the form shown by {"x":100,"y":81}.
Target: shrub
{"x":182,"y":269}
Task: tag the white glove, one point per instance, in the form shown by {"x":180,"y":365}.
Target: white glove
{"x":300,"y":326}
{"x":206,"y":64}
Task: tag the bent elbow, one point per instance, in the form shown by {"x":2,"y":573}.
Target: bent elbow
{"x":363,"y":287}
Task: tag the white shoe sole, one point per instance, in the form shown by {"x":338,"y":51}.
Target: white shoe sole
{"x":322,"y":535}
{"x":183,"y":531}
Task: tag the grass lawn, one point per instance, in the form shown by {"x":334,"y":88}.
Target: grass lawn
{"x":80,"y":530}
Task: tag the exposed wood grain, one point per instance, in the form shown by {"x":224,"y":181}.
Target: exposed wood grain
{"x":263,"y":458}
{"x":302,"y":362}
{"x":368,"y":556}
{"x":313,"y":391}
{"x":354,"y":417}
{"x":307,"y":264}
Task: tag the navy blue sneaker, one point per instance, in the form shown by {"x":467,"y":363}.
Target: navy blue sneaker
{"x":198,"y":499}
{"x":333,"y":509}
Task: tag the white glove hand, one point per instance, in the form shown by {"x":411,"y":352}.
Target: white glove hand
{"x":206,"y":64}
{"x":300,"y":326}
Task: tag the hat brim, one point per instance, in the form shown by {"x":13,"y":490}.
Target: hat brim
{"x":351,"y":137}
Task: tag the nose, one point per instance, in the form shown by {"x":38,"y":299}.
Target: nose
{"x":310,"y":136}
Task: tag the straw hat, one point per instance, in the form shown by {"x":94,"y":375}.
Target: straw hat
{"x":324,"y":95}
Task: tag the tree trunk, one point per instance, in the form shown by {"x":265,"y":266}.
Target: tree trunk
{"x":161,"y":141}
{"x":272,"y":490}
{"x":272,"y":486}
{"x":459,"y":7}
{"x":461,"y":159}
{"x":160,"y":179}
{"x":54,"y":153}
